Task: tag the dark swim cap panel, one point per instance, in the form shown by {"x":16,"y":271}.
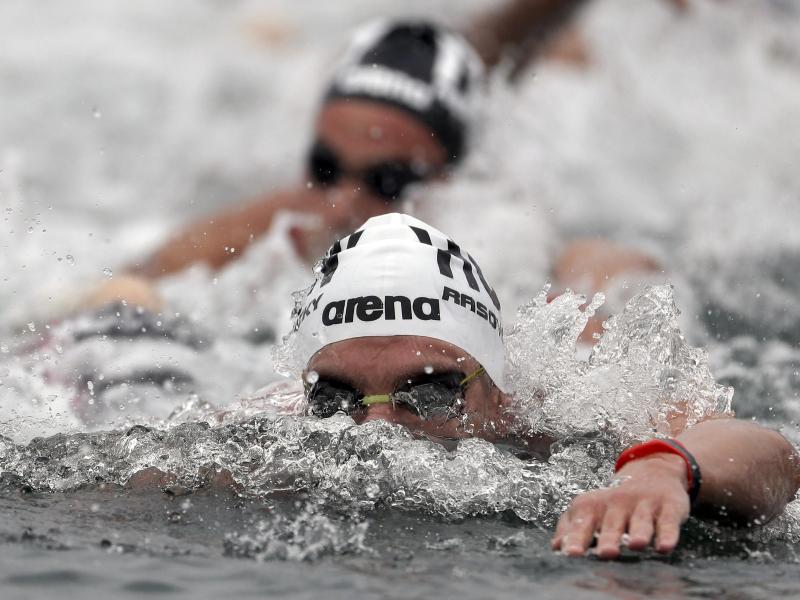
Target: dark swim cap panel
{"x":407,"y":48}
{"x":425,"y":70}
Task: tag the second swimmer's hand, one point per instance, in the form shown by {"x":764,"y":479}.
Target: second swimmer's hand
{"x":647,"y":501}
{"x":133,"y":290}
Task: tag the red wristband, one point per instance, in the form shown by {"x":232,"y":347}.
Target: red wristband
{"x":669,"y":446}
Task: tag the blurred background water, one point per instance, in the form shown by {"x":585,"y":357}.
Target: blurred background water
{"x":121,"y":121}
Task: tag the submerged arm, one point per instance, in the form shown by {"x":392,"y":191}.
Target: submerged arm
{"x":749,"y":474}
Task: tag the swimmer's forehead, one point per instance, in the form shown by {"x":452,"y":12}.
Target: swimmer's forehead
{"x":366,"y":131}
{"x":401,"y":356}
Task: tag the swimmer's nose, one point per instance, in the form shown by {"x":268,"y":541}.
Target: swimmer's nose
{"x":382,"y":412}
{"x":350,"y":203}
{"x":349,"y":190}
{"x":377,"y":412}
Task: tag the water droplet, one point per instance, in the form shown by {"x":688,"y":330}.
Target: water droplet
{"x":108,"y":272}
{"x":312,"y":377}
{"x":31,"y":326}
{"x":428,"y":369}
{"x":70,"y":259}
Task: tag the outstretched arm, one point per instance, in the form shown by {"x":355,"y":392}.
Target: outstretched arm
{"x":749,"y":474}
{"x":523,"y":30}
{"x":217,"y":239}
{"x":519,"y":28}
{"x":220,"y":238}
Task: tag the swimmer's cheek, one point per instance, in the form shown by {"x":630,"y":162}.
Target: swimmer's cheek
{"x":152,"y":479}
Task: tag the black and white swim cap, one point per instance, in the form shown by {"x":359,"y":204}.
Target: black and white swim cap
{"x":427,"y":70}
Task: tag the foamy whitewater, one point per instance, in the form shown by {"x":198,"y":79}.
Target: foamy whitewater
{"x":121,"y":121}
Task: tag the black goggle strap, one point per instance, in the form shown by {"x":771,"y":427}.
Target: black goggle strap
{"x":387,"y":398}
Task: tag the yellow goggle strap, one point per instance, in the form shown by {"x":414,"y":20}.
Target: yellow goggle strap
{"x":387,"y":398}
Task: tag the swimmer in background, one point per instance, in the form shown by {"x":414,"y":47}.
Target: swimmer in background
{"x":373,"y":138}
{"x":402,"y":325}
{"x":399,"y":110}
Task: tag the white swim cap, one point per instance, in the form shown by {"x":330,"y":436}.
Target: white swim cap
{"x":399,"y":276}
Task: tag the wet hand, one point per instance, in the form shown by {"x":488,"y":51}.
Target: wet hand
{"x":679,"y":4}
{"x":135,"y":291}
{"x":647,"y":500}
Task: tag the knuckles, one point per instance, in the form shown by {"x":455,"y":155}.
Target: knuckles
{"x":627,"y":499}
{"x":602,"y":498}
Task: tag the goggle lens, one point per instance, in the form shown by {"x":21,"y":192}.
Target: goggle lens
{"x":386,"y":180}
{"x":323,"y":165}
{"x":443,"y":396}
{"x":389,"y":180}
{"x":326,"y":399}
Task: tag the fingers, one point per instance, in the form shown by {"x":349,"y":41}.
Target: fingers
{"x":641,"y":526}
{"x":576,"y":528}
{"x":614,"y":524}
{"x":641,"y":520}
{"x":668,"y":527}
{"x":561,"y":530}
{"x":679,"y":5}
{"x":136,"y":291}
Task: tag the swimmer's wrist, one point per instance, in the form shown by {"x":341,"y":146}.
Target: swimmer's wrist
{"x":665,"y":452}
{"x":665,"y":465}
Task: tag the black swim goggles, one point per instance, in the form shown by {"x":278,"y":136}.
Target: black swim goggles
{"x":386,"y":180}
{"x":434,"y":395}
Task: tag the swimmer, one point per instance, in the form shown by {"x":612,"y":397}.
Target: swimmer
{"x":400,"y":110}
{"x":403,"y":325}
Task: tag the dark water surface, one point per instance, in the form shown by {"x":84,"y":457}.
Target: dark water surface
{"x":112,"y":542}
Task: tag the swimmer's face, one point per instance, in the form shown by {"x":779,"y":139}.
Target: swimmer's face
{"x":361,"y":134}
{"x":380,"y":365}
